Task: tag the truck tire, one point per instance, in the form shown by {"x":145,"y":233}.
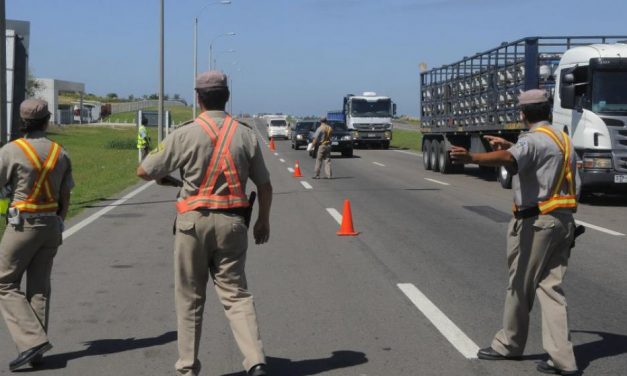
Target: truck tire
{"x":386,"y":145}
{"x":505,"y":178}
{"x":426,"y":154}
{"x":444,"y":162}
{"x":434,"y":155}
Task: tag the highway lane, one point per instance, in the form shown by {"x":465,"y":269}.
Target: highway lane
{"x":327,"y":304}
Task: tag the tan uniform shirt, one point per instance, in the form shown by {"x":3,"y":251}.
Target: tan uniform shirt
{"x":323,"y":134}
{"x":189,"y":150}
{"x":539,"y":161}
{"x":17,"y":171}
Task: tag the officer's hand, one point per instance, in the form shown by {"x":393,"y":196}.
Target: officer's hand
{"x":498,"y":143}
{"x":459,"y":155}
{"x":261,"y":232}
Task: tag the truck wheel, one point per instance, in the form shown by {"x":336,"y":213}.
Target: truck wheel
{"x":505,"y":178}
{"x":426,"y":154}
{"x":434,"y":155}
{"x":445,"y":163}
{"x":386,"y":145}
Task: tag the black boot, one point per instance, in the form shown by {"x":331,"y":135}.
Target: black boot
{"x":29,"y":355}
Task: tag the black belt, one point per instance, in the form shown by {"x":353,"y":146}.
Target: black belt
{"x":236,"y":211}
{"x":527,"y":213}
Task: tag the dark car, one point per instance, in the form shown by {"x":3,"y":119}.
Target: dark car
{"x":341,"y":140}
{"x":300,"y":132}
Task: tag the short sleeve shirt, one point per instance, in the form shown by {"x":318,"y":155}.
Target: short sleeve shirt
{"x":323,"y":134}
{"x":539,"y":161}
{"x":17,"y":171}
{"x":189,"y":149}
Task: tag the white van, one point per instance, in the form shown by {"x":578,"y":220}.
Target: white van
{"x":278,"y":128}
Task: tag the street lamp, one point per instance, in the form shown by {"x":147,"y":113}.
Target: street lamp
{"x":230,"y":34}
{"x":215,"y":59}
{"x":223,"y":2}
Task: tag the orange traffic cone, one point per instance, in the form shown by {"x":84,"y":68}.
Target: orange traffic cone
{"x":346,"y":229}
{"x":297,"y":173}
{"x":272,"y":147}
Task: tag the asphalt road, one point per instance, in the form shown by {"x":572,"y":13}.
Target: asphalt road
{"x":330,"y":305}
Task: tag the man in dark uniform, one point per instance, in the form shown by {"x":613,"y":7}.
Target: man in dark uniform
{"x":40,"y":177}
{"x":539,"y":236}
{"x":215,"y":155}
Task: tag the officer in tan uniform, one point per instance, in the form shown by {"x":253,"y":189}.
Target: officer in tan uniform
{"x":215,"y":155}
{"x":539,"y":236}
{"x":39,"y":174}
{"x":322,"y":137}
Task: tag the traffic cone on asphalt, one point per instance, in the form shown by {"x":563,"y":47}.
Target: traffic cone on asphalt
{"x":346,"y":229}
{"x":297,"y":173}
{"x":272,"y":147}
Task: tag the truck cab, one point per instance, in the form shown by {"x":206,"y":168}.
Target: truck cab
{"x":369,"y":118}
{"x":591,"y":106}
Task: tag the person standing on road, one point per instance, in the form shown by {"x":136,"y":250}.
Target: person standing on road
{"x":540,"y":235}
{"x":143,"y":140}
{"x":215,"y":155}
{"x":322,"y":139}
{"x":39,"y":174}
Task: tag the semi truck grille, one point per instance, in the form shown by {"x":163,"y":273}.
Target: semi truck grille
{"x":613,"y":122}
{"x":619,"y":145}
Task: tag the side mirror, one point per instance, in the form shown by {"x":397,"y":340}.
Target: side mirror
{"x":567,"y":91}
{"x":569,"y":78}
{"x":393,"y":108}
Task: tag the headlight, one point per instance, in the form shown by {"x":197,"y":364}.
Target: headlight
{"x":347,"y":137}
{"x":597,"y":163}
{"x":355,"y":135}
{"x":388,"y":134}
{"x":299,"y":136}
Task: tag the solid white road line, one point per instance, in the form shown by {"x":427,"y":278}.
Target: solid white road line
{"x":378,"y":164}
{"x":306,"y":185}
{"x":598,"y":228}
{"x":419,"y":154}
{"x":80,"y":225}
{"x":282,"y":160}
{"x":336,"y":215}
{"x":449,"y":330}
{"x":291,"y":170}
{"x":437,"y":181}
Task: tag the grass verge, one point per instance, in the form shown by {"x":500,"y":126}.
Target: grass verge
{"x":407,"y":140}
{"x":180,"y":114}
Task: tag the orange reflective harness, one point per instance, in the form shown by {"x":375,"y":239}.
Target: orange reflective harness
{"x":41,"y":198}
{"x":222,"y":163}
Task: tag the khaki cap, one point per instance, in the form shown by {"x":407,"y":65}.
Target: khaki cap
{"x":533,"y":96}
{"x":211,"y":80}
{"x":33,"y":109}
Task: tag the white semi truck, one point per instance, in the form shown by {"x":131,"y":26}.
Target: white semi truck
{"x":476,"y":96}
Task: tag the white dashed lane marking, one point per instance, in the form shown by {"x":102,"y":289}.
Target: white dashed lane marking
{"x":378,"y":164}
{"x":276,"y":154}
{"x":335,"y":214}
{"x":443,"y":324}
{"x":437,"y":181}
{"x":599,"y":228}
{"x":291,"y":170}
{"x":306,"y":185}
{"x":282,"y":160}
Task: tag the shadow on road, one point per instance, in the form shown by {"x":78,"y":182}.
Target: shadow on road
{"x":287,"y":367}
{"x":103,"y":347}
{"x":615,"y":200}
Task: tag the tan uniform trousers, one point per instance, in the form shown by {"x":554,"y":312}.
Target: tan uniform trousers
{"x":537,"y":255}
{"x":323,"y":157}
{"x":212,"y":244}
{"x":29,"y":250}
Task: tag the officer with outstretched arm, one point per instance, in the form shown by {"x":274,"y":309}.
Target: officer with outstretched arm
{"x":540,"y":235}
{"x":216,"y":155}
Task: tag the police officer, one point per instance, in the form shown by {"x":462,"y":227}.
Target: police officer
{"x":39,"y":174}
{"x":322,"y":139}
{"x":143,"y":140}
{"x":216,"y":155}
{"x":539,"y":236}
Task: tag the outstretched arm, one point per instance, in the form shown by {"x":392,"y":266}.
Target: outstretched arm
{"x":460,"y":155}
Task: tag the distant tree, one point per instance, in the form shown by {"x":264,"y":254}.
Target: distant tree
{"x":32,"y":86}
{"x":112,"y":96}
{"x":131,"y":97}
{"x":153,"y":96}
{"x":177,"y":96}
{"x":166,"y":97}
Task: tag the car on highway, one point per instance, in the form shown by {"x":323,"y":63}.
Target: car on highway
{"x":278,"y":128}
{"x":300,"y":132}
{"x":341,"y":140}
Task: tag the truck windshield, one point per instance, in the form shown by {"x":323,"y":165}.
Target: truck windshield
{"x":364,"y":108}
{"x":608,"y":92}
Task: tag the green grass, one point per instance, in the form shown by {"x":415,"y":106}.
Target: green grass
{"x":407,"y":140}
{"x":104,"y":160}
{"x":180,"y":114}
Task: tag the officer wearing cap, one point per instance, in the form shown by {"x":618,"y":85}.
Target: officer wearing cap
{"x":39,"y":174}
{"x":540,"y":235}
{"x":322,"y":139}
{"x":216,"y":155}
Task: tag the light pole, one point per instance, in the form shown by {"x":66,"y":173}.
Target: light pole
{"x":215,"y":59}
{"x":223,"y":2}
{"x":161,"y":33}
{"x":230,"y":34}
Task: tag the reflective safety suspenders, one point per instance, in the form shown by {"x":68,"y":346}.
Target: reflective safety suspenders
{"x":221,"y":163}
{"x":41,"y":198}
{"x":141,"y":137}
{"x":566,"y":177}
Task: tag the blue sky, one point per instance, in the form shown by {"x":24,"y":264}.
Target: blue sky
{"x":292,"y":56}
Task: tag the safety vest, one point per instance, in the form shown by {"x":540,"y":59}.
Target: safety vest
{"x":222,"y":163}
{"x":41,"y":199}
{"x":326,"y":134}
{"x":141,"y":137}
{"x":566,"y":178}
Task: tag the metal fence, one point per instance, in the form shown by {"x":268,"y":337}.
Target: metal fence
{"x":136,"y":106}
